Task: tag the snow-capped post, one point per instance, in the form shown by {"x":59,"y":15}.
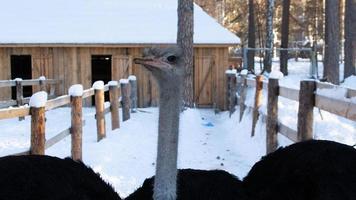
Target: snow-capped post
{"x":133,"y":95}
{"x":243,"y":92}
{"x":42,"y":82}
{"x":76,"y":93}
{"x":231,"y":90}
{"x":38,"y":123}
{"x":258,"y":102}
{"x":114,"y":104}
{"x":125,"y":99}
{"x":99,"y":106}
{"x":19,"y":94}
{"x":272,"y":115}
{"x":305,"y":111}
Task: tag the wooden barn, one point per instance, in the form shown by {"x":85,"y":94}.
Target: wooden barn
{"x":82,"y":41}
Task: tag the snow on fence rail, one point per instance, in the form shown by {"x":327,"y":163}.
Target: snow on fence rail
{"x":74,"y":98}
{"x":19,"y":83}
{"x":307,"y":97}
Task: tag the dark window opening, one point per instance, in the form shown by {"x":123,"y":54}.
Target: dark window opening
{"x":101,"y":70}
{"x":21,"y":67}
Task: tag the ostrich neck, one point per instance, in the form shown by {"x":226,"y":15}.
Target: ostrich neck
{"x":167,"y":152}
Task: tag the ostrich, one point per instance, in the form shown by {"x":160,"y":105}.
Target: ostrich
{"x":50,"y":178}
{"x":315,"y":169}
{"x":166,"y":65}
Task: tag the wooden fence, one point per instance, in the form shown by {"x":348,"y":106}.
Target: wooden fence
{"x":19,"y":83}
{"x":38,"y":141}
{"x":307,"y":97}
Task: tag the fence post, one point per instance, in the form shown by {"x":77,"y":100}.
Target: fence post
{"x":258,"y":102}
{"x":231,"y":90}
{"x":305,"y":111}
{"x":133,"y":95}
{"x":76,"y":93}
{"x":114,"y":104}
{"x":99,"y":107}
{"x":38,"y":123}
{"x":125,"y":99}
{"x":272,"y":115}
{"x":243,"y":94}
{"x":19,"y":94}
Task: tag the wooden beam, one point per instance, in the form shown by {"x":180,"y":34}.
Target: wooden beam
{"x":55,"y":139}
{"x":14,"y":112}
{"x":343,"y":108}
{"x":57,"y":102}
{"x":288,"y":132}
{"x":88,"y":93}
{"x":289,"y":93}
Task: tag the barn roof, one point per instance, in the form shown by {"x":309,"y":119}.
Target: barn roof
{"x":103,"y":22}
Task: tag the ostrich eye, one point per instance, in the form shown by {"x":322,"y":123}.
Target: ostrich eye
{"x":172,"y":59}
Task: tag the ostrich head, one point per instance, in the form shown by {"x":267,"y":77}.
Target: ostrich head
{"x":165,"y":64}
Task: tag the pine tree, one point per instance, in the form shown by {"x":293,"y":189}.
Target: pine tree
{"x":185,"y":41}
{"x":284,"y":35}
{"x":331,"y":57}
{"x":251,"y":36}
{"x":350,"y":38}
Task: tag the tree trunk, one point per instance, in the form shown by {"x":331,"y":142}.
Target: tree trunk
{"x":285,"y":33}
{"x":331,"y":61}
{"x":185,"y":41}
{"x":251,"y":36}
{"x":269,"y":36}
{"x":350,"y":38}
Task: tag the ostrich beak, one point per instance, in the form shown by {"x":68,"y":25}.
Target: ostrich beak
{"x":150,"y":63}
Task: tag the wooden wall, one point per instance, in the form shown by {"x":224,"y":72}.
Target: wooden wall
{"x":72,"y":65}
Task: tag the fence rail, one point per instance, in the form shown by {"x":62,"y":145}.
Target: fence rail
{"x":39,"y":146}
{"x":344,"y":107}
{"x":19,"y":84}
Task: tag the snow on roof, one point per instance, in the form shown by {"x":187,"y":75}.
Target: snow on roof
{"x":103,"y":22}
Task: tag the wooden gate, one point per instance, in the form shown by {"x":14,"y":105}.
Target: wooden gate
{"x":204,"y":82}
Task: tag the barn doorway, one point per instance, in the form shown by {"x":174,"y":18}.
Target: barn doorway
{"x":21,"y":67}
{"x":101,"y":70}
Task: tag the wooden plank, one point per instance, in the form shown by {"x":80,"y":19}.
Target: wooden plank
{"x":55,"y":139}
{"x":349,"y":92}
{"x":8,"y":83}
{"x":288,"y":132}
{"x":57,"y":102}
{"x":26,"y":82}
{"x":88,"y":93}
{"x":344,"y":108}
{"x":289,"y":93}
{"x":14,"y":112}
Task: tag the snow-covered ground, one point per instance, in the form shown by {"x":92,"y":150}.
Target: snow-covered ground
{"x":207,"y":140}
